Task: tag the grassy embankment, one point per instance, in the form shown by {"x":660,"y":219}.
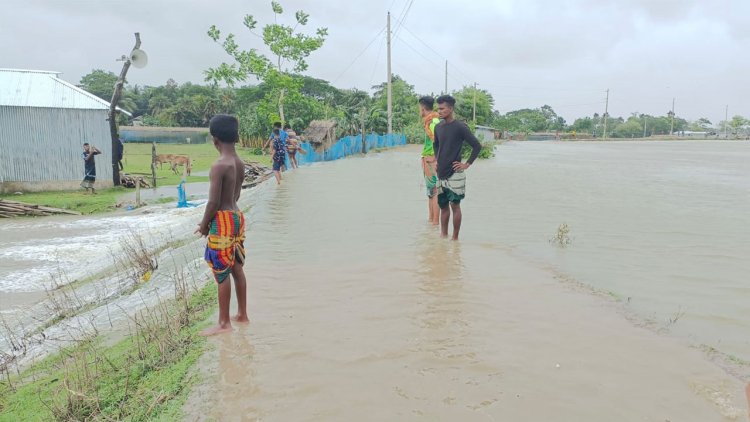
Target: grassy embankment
{"x":137,"y":161}
{"x":145,"y":376}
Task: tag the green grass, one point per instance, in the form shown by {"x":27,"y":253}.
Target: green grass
{"x":137,"y":160}
{"x":131,"y":380}
{"x":104,"y":200}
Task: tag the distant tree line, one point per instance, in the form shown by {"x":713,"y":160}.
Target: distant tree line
{"x":284,"y":93}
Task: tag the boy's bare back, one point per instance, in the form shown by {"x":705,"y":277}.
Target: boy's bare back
{"x":226,"y":177}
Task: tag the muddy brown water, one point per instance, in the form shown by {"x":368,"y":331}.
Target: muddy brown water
{"x":361,"y":312}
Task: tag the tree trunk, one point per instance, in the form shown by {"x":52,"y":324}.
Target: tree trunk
{"x":116,"y":95}
{"x":281,"y":106}
{"x":153,"y":164}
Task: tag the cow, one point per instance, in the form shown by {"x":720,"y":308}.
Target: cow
{"x":181,"y":160}
{"x":163,"y":158}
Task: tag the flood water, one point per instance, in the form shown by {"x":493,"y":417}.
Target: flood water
{"x":663,"y":224}
{"x":361,"y":312}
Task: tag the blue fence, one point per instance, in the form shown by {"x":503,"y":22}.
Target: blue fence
{"x":349,"y":145}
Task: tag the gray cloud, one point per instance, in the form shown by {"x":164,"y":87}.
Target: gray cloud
{"x":526,"y":53}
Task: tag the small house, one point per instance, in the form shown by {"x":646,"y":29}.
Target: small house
{"x":44,"y":122}
{"x":321,"y":134}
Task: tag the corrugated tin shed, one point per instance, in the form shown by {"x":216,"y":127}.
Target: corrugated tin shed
{"x":43,"y":123}
{"x":40,"y":88}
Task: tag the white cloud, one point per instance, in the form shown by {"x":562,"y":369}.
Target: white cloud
{"x":526,"y":53}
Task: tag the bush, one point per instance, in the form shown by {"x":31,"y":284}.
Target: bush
{"x":414,"y":133}
{"x":487,"y":151}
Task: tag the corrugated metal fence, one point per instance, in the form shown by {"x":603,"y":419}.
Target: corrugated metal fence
{"x":45,"y":144}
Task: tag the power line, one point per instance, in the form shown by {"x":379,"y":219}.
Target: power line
{"x":418,"y":52}
{"x":461,"y":72}
{"x":463,"y":82}
{"x":377,"y":61}
{"x":360,"y":54}
{"x":402,"y":19}
{"x":424,"y":43}
{"x":429,"y":76}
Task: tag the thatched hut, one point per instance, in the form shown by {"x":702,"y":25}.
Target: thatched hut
{"x":321,"y":134}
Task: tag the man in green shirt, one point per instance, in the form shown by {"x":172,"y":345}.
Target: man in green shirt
{"x":430,"y":120}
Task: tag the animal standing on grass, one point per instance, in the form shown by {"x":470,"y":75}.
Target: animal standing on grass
{"x":163,"y":158}
{"x":181,"y":160}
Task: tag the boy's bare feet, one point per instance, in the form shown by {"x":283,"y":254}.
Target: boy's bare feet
{"x":217,"y":329}
{"x":241,"y":319}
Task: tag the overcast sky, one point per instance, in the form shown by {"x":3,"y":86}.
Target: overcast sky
{"x":527,"y":53}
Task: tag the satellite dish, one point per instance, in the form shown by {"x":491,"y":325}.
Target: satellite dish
{"x":138,"y":58}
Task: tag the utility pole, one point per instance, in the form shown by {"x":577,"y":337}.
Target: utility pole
{"x":671,"y":125}
{"x":645,"y":119}
{"x":390,"y":99}
{"x":726,"y":121}
{"x":446,"y":78}
{"x":474,"y":113}
{"x":606,"y":115}
{"x":116,"y":95}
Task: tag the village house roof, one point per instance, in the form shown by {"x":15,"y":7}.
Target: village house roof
{"x":41,"y":88}
{"x":320,"y":130}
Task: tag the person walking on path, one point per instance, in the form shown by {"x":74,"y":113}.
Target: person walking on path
{"x":278,"y":152}
{"x":292,"y":145}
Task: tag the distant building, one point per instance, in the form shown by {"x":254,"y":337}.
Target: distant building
{"x":44,"y":122}
{"x":486,"y":133}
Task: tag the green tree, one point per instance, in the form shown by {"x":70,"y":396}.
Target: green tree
{"x":701,"y":125}
{"x":524,"y":120}
{"x":554,"y":122}
{"x":354,"y":107}
{"x":738,"y":124}
{"x":404,"y":100}
{"x":583,"y":125}
{"x":632,"y":128}
{"x":465,"y":105}
{"x":100,"y":83}
{"x":290,"y":50}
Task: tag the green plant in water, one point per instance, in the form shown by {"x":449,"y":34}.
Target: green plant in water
{"x":487,"y":151}
{"x":562,"y":237}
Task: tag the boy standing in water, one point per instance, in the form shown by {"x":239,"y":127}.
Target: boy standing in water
{"x":224,"y":223}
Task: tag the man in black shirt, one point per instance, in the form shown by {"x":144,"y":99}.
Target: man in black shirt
{"x":89,"y":166}
{"x":450,"y":135}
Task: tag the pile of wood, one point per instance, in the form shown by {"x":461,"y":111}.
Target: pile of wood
{"x":255,"y":173}
{"x":16,"y":209}
{"x":129,"y":181}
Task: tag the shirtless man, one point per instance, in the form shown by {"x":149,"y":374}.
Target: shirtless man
{"x":292,"y":145}
{"x":224,"y":223}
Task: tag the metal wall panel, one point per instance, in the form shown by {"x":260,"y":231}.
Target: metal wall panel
{"x":45,"y":144}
